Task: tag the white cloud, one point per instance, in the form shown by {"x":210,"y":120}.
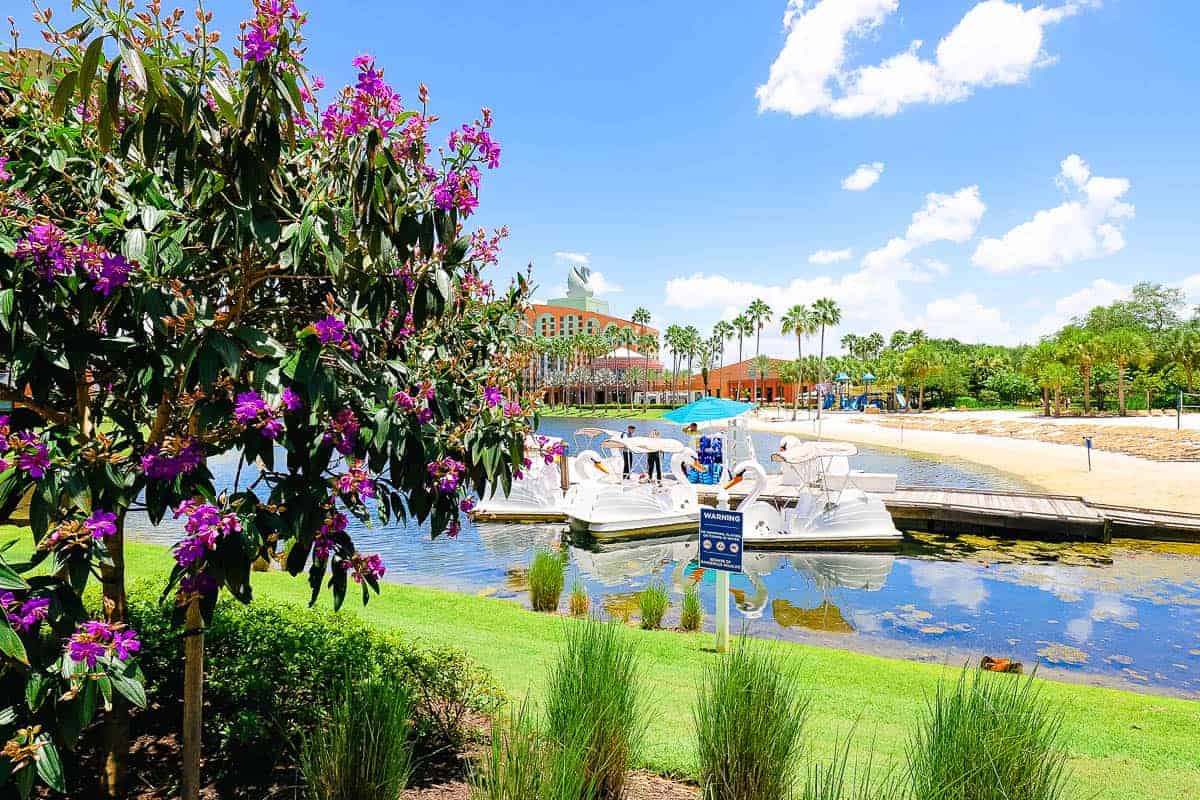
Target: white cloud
{"x":949,"y":587}
{"x":830,"y":256}
{"x":943,"y":217}
{"x":1099,"y":292}
{"x":864,"y":177}
{"x":1086,"y":226}
{"x":995,"y":43}
{"x":965,"y":318}
{"x":1191,"y":288}
{"x":602,"y":285}
{"x":573,"y":257}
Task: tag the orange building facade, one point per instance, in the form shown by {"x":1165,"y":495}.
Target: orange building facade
{"x":727,"y":380}
{"x":553,"y":321}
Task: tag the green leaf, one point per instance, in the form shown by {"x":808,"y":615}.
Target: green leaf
{"x":133,"y":63}
{"x":8,"y":715}
{"x":130,"y":688}
{"x":57,"y":160}
{"x":135,"y":244}
{"x":10,"y":580}
{"x":35,"y":690}
{"x":87,"y":70}
{"x":49,"y":765}
{"x":62,"y":95}
{"x":11,"y":644}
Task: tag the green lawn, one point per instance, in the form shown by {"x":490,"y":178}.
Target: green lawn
{"x":603,"y":412}
{"x":1124,"y":745}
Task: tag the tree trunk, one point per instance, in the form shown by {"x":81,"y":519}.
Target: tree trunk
{"x":193,"y":699}
{"x":116,"y":723}
{"x":921,"y":398}
{"x":1045,"y":401}
{"x":1087,"y":393}
{"x":1147,"y":402}
{"x":821,"y":373}
{"x":1120,"y":390}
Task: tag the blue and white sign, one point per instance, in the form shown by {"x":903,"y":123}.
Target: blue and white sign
{"x":720,"y":539}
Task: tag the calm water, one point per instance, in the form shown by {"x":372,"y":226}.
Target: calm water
{"x":1122,"y":613}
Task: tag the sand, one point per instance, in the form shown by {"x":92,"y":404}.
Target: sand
{"x":1116,"y":478}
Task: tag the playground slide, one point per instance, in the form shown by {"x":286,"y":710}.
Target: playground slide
{"x":828,"y":404}
{"x":901,"y":403}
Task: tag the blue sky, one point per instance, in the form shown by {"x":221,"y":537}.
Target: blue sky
{"x":1048,"y":152}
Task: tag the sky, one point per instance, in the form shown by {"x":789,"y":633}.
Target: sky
{"x":981,"y":170}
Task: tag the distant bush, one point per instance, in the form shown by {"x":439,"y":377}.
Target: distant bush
{"x":653,"y":603}
{"x":363,"y":749}
{"x":274,"y":669}
{"x":596,"y":704}
{"x":989,"y":398}
{"x":579,"y":602}
{"x":547,"y":574}
{"x":749,"y":717}
{"x":990,"y":736}
{"x":965,"y":401}
{"x":691,"y":614}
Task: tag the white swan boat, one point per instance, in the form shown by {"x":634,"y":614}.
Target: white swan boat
{"x":537,"y":496}
{"x":827,"y":465}
{"x":609,"y":511}
{"x":818,"y":519}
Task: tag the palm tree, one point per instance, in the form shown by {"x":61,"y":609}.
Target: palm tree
{"x":792,"y":372}
{"x":1034,"y":365}
{"x":760,"y":369}
{"x":1080,"y":348}
{"x":1182,"y":347}
{"x":1123,"y":347}
{"x":759,"y":314}
{"x":647,"y":345}
{"x":875,"y":344}
{"x":826,"y":313}
{"x":674,"y":342}
{"x":798,"y":320}
{"x":919,"y":365}
{"x":744,"y":327}
{"x":691,"y":343}
{"x":722,"y":333}
{"x":641,"y":318}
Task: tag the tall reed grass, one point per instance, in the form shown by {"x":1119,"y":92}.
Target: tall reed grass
{"x":596,"y":704}
{"x":579,"y":602}
{"x":522,"y":764}
{"x":749,"y":718}
{"x":547,"y":574}
{"x":989,"y":736}
{"x":691,"y":613}
{"x":364,"y":749}
{"x":653,"y":603}
{"x":844,"y":779}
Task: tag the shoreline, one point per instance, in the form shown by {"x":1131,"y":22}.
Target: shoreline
{"x":1115,"y":478}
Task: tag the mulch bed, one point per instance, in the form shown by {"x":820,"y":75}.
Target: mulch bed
{"x":640,"y":786}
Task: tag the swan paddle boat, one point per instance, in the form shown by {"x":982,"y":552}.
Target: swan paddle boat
{"x":538,"y":496}
{"x":827,"y":465}
{"x":610,"y":510}
{"x":818,"y":518}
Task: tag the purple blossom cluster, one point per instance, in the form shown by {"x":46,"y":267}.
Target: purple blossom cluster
{"x":173,"y":458}
{"x":251,"y":411}
{"x":205,"y":526}
{"x":343,"y":431}
{"x":101,"y":525}
{"x":550,"y":450}
{"x":356,"y":482}
{"x":447,"y":473}
{"x":466,"y":505}
{"x":474,"y":140}
{"x":458,"y":190}
{"x":290,"y":400}
{"x":47,"y":248}
{"x":25,"y":447}
{"x":5,"y":175}
{"x":199,"y":584}
{"x":325,"y":540}
{"x":370,"y":103}
{"x":492,"y":396}
{"x":262,"y":34}
{"x":331,"y":330}
{"x":513,"y":409}
{"x":363,"y":567}
{"x":96,"y":639}
{"x":24,"y":616}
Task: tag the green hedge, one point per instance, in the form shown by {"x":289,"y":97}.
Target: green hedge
{"x":272,"y":670}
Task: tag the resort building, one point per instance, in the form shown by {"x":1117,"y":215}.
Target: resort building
{"x":725,"y":381}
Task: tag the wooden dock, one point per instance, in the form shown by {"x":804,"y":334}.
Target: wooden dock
{"x":1011,"y":513}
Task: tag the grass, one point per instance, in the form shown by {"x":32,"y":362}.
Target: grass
{"x":749,"y":723}
{"x":546,"y":579}
{"x":1120,"y":744}
{"x":691,"y":612}
{"x":604,"y":412}
{"x":522,"y":765}
{"x":652,"y":605}
{"x":580,"y":602}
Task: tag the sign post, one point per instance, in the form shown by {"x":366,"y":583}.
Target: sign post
{"x":1087,"y":442}
{"x":721,"y":550}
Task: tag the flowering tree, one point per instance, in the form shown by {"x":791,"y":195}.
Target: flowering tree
{"x":196,"y":259}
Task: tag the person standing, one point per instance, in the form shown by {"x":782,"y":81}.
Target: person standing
{"x":654,"y":463}
{"x":626,"y":456}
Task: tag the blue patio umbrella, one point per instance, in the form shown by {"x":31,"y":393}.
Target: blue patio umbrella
{"x":708,"y":409}
{"x":842,"y":377}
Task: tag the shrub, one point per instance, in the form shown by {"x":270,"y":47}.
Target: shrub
{"x":691,"y":614}
{"x":840,"y":780}
{"x":966,"y":401}
{"x":596,"y":704}
{"x":749,"y":718}
{"x":653,"y":603}
{"x":989,"y":398}
{"x":546,"y":578}
{"x":522,"y":765}
{"x":363,"y":750}
{"x":579,"y":600}
{"x":274,"y":668}
{"x":990,"y":736}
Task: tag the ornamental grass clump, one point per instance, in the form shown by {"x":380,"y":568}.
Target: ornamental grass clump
{"x":523,"y":764}
{"x":749,"y":718}
{"x":990,"y":736}
{"x":842,"y":779}
{"x":691,"y":614}
{"x":596,"y":704}
{"x":547,"y":574}
{"x":653,"y":603}
{"x":364,"y":749}
{"x":579,"y":602}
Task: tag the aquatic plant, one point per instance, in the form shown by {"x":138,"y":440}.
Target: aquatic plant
{"x":596,"y":704}
{"x":579,"y":602}
{"x":691,"y":614}
{"x":546,"y":579}
{"x":653,"y":603}
{"x":989,"y":736}
{"x":749,"y":717}
{"x":364,"y":749}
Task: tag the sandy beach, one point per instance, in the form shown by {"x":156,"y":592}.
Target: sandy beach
{"x":1115,"y":478}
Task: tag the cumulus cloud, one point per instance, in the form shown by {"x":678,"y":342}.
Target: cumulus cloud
{"x":830,"y":256}
{"x":1191,"y":288}
{"x":996,"y":43}
{"x":864,"y":177}
{"x":1100,"y":292}
{"x":1086,"y":226}
{"x":573,"y":257}
{"x":965,"y":318}
{"x":602,"y":285}
{"x":942,"y":218}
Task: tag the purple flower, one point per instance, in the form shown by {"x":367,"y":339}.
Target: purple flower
{"x":343,"y":431}
{"x":32,"y":456}
{"x":26,"y":616}
{"x":512,"y":409}
{"x":466,"y":505}
{"x":356,"y":482}
{"x":249,"y":406}
{"x":5,"y":175}
{"x":405,"y":400}
{"x":101,"y":524}
{"x":205,"y":525}
{"x":425,"y":415}
{"x":447,"y":472}
{"x":271,"y":428}
{"x":199,"y":584}
{"x":95,"y":639}
{"x":85,"y":650}
{"x":176,"y":457}
{"x":330,"y":330}
{"x":112,"y":273}
{"x":125,"y":643}
{"x":290,"y":400}
{"x":492,"y":396}
{"x":364,"y":567}
{"x":45,"y":246}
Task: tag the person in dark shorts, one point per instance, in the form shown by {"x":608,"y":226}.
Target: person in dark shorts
{"x":626,"y":456}
{"x":654,"y":463}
